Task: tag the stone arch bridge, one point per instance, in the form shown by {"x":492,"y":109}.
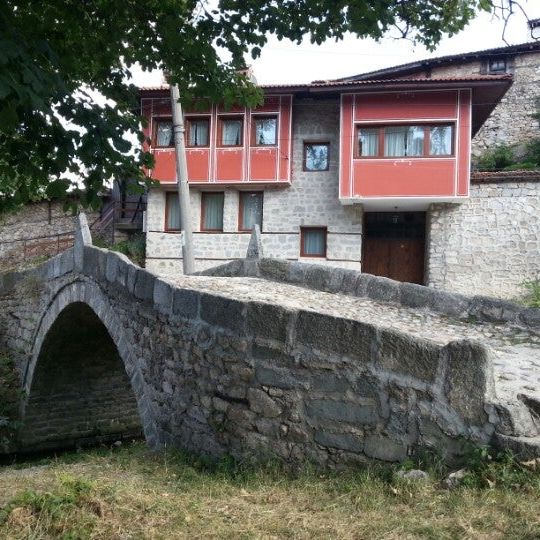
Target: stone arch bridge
{"x":260,"y":356}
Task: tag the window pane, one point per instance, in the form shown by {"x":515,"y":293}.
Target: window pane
{"x":403,"y":141}
{"x":198,"y":132}
{"x":212,"y":211}
{"x":314,"y":241}
{"x":231,"y":134}
{"x":440,"y":141}
{"x":265,"y":131}
{"x":164,"y":136}
{"x":316,"y":157}
{"x":252,"y":210}
{"x":173,"y":212}
{"x":368,"y":141}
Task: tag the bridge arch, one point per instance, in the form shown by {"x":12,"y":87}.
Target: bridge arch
{"x":82,"y":382}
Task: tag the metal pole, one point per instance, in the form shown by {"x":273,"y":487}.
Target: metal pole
{"x":182,"y":182}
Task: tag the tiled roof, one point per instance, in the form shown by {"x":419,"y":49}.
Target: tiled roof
{"x":487,"y":177}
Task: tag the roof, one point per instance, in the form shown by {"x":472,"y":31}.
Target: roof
{"x":487,"y":90}
{"x":492,"y":177}
{"x":428,"y":63}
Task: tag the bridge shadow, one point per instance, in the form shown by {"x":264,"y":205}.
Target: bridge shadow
{"x":80,"y":393}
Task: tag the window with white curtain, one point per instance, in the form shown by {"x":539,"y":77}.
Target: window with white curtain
{"x":420,"y":140}
{"x":313,"y":242}
{"x":172,"y":212}
{"x":403,"y":141}
{"x":265,"y":131}
{"x":231,"y":132}
{"x":212,"y":211}
{"x":368,"y":142}
{"x":251,"y":210}
{"x":198,"y":131}
{"x":164,"y":133}
{"x":440,"y":141}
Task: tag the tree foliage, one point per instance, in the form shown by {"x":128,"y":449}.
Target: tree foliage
{"x":57,"y":54}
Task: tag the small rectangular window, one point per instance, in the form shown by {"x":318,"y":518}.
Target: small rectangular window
{"x":251,"y":210}
{"x":313,"y":242}
{"x":212,"y":211}
{"x":403,"y":141}
{"x":172,"y":211}
{"x":164,"y":133}
{"x":316,"y":156}
{"x":368,"y":142}
{"x":264,"y":131}
{"x":497,"y":65}
{"x":198,"y":132}
{"x":231,"y":131}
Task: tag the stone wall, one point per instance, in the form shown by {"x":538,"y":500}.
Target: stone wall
{"x":45,"y":223}
{"x":490,"y":243}
{"x":511,"y":121}
{"x":311,"y":200}
{"x":214,"y":375}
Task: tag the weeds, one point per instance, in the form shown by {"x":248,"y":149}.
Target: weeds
{"x":532,"y":298}
{"x":134,"y":247}
{"x":9,"y":401}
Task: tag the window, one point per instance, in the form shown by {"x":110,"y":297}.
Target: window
{"x":368,"y":141}
{"x":497,"y":65}
{"x":164,"y":133}
{"x":198,"y":130}
{"x":316,"y":156}
{"x":264,"y":131}
{"x":212,"y":211}
{"x":231,"y":131}
{"x":251,"y":210}
{"x":404,"y":140}
{"x":313,"y":242}
{"x":172,"y":212}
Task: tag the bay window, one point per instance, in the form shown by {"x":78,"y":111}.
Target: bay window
{"x":264,"y":131}
{"x":231,"y":131}
{"x":198,"y":132}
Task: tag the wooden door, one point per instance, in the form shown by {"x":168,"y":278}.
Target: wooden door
{"x":394,"y":246}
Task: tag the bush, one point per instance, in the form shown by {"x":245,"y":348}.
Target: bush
{"x":134,"y":247}
{"x":532,"y":299}
{"x":497,"y":158}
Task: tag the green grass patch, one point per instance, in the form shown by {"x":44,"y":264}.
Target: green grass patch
{"x":134,"y":493}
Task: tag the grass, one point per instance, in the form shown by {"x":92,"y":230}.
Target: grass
{"x":532,"y":299}
{"x":134,"y":247}
{"x":133,"y":493}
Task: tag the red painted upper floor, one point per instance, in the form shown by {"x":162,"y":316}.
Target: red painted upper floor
{"x":405,"y":141}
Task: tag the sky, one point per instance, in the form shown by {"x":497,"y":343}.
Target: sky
{"x":286,"y":62}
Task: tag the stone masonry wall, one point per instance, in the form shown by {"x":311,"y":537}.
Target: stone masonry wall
{"x":312,"y":200}
{"x":489,"y":244}
{"x":213,"y":374}
{"x":41,"y":219}
{"x":510,"y":122}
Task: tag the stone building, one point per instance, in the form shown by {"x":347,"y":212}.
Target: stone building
{"x":337,"y":186}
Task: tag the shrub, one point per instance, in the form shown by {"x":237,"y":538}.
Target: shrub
{"x":497,"y":158}
{"x":532,"y":299}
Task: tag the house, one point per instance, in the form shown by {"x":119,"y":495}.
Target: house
{"x":368,"y":174}
{"x":511,"y":122}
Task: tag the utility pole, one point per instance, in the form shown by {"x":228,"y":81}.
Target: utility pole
{"x":188,"y":262}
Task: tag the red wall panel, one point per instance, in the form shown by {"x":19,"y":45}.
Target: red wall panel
{"x":198,"y":164}
{"x":263,"y":163}
{"x":229,"y":165}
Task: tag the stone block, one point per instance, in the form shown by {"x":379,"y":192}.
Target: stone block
{"x":267,"y":321}
{"x":274,"y":269}
{"x":340,"y":336}
{"x":530,"y":317}
{"x":413,"y":356}
{"x":318,"y":277}
{"x":329,"y":383}
{"x":416,"y":296}
{"x":454,"y":305}
{"x":468,"y":380}
{"x":186,"y":303}
{"x":163,"y":295}
{"x":122,"y":273}
{"x":279,"y":378}
{"x":144,"y":285}
{"x":493,"y":310}
{"x":385,"y":449}
{"x":263,"y":404}
{"x":363,"y":282}
{"x":94,"y":261}
{"x":383,"y":289}
{"x":342,"y":411}
{"x":223,"y":312}
{"x":343,"y":441}
{"x":297,"y":272}
{"x":111,"y":266}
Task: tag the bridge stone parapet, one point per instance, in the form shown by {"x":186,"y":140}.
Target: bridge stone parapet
{"x":215,"y":369}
